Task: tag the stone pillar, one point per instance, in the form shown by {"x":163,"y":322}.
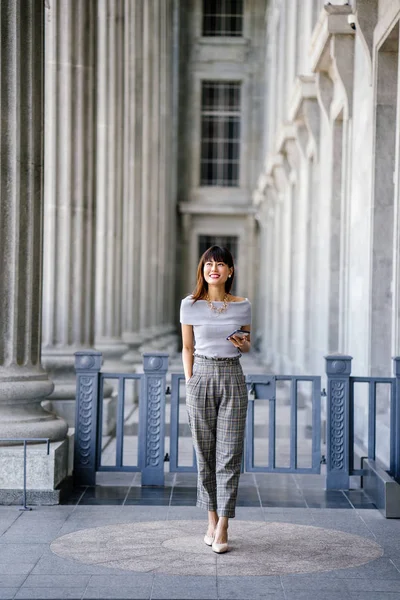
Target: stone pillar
{"x":23,"y":381}
{"x":109,"y":177}
{"x":150,"y":157}
{"x":132,"y":179}
{"x":69,"y":192}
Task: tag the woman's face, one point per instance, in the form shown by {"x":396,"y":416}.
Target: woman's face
{"x":216,"y":273}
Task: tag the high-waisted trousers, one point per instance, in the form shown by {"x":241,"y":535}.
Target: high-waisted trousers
{"x":216,"y":400}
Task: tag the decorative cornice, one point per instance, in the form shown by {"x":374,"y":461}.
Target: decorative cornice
{"x":273,"y":161}
{"x":304,"y":88}
{"x":207,"y":209}
{"x":332,"y":51}
{"x":285,"y":133}
{"x":333,"y":20}
{"x":278,"y":170}
{"x":304,"y":110}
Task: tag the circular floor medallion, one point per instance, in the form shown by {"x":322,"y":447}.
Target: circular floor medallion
{"x":256,"y":548}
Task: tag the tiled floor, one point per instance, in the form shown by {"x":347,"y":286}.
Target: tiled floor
{"x":29,"y":569}
{"x":255,"y":490}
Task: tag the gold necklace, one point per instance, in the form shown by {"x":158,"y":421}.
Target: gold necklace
{"x":216,"y":309}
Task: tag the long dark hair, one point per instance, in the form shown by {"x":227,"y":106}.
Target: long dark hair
{"x":219,"y":255}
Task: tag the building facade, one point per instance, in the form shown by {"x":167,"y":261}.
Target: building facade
{"x":221,"y":87}
{"x":328,"y":192}
{"x":135,"y":134}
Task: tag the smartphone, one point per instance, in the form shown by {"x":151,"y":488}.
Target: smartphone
{"x":239,"y":333}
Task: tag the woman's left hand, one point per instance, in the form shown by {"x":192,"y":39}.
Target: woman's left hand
{"x":240,"y":342}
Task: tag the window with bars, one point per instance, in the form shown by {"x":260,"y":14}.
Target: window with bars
{"x":222,"y":18}
{"x":224,"y":241}
{"x":220,"y":133}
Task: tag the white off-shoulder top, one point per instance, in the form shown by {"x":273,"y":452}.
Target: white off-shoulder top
{"x":211,"y":328}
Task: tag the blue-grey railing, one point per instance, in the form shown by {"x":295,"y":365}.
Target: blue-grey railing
{"x":340,"y":420}
{"x":88,"y":427}
{"x":152,"y":405}
{"x":264,"y":388}
{"x":174,"y":465}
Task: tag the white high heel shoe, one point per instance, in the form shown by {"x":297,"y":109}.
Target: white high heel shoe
{"x":220,"y":548}
{"x":209,"y":540}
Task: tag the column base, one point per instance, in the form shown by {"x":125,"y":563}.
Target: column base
{"x":66,"y":410}
{"x":44,"y":473}
{"x":112,"y":351}
{"x":162,"y":338}
{"x":22,"y":389}
{"x":133,"y":356}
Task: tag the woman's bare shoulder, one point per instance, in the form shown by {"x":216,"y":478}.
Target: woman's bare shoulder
{"x":236,"y":299}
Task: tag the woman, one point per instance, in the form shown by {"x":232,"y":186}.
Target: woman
{"x":216,"y":393}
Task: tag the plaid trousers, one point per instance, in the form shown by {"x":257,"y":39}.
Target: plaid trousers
{"x":216,"y":401}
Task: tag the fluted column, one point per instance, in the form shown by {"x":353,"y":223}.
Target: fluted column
{"x":159,"y":164}
{"x":109,"y":174}
{"x":23,"y":381}
{"x":132,"y":194}
{"x":148,"y":257}
{"x":69,"y":252}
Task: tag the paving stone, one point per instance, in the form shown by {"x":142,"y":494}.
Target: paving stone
{"x":243,"y":594}
{"x":249,"y":513}
{"x":372,"y":585}
{"x":16,"y":568}
{"x":381,"y":568}
{"x":10,"y":581}
{"x":175,"y":513}
{"x":55,"y":593}
{"x":117,"y":594}
{"x":125,"y":580}
{"x":120,"y":586}
{"x":28,"y":553}
{"x":312,"y":583}
{"x":62,"y":581}
{"x":184,"y":588}
{"x":248,"y":587}
{"x":53,"y":565}
{"x":8,"y":593}
{"x":30,"y":533}
{"x":331,"y":595}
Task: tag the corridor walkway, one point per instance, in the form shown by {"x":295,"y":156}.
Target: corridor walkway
{"x":290,"y":540}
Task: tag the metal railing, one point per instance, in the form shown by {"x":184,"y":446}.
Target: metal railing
{"x":152,"y":408}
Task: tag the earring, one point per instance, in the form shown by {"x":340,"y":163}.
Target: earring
{"x":229,"y":276}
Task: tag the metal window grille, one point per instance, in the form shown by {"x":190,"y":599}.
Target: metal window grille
{"x":225,"y":241}
{"x":223,"y":18}
{"x":220,"y":133}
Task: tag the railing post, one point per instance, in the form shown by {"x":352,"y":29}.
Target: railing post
{"x":152,"y":418}
{"x":339,"y":436}
{"x":396,"y":418}
{"x":87,"y":367}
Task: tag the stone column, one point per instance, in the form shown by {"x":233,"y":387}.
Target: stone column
{"x":132,"y":179}
{"x":149,"y":221}
{"x":109,"y":176}
{"x":23,"y":381}
{"x":69,"y":192}
{"x":166,"y":201}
